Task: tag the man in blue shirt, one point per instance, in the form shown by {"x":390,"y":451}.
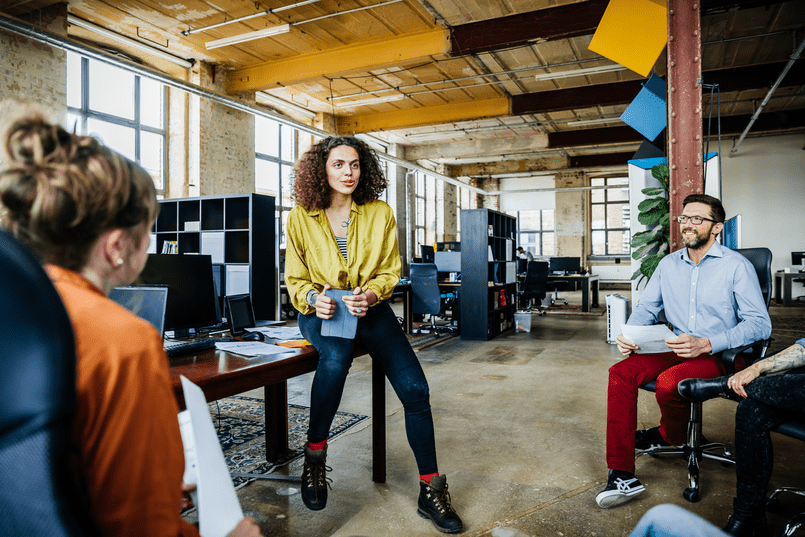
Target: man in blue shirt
{"x":712,"y":299}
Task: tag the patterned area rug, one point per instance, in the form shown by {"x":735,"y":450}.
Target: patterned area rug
{"x":240,"y":424}
{"x":573,"y":309}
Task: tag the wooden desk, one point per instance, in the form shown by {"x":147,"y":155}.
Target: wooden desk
{"x":220,"y":374}
{"x":783,"y":281}
{"x":408,"y":316}
{"x":586,"y":280}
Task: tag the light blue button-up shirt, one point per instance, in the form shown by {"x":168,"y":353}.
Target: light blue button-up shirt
{"x":719,"y":298}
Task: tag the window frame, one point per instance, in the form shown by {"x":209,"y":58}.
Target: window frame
{"x":606,"y":229}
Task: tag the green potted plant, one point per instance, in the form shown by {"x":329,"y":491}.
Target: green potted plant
{"x":651,"y":245}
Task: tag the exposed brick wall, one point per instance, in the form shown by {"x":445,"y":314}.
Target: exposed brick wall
{"x":35,"y":73}
{"x":224,"y":163}
{"x":570,"y":216}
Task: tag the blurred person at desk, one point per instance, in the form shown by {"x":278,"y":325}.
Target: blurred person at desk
{"x":341,"y":236}
{"x":523,"y":254}
{"x":712,"y":298}
{"x":86,"y":211}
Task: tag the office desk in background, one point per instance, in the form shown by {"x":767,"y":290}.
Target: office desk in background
{"x":589,"y":285}
{"x":783,"y":281}
{"x":220,"y":374}
{"x":408,"y":316}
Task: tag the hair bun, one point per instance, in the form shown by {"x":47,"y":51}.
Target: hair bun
{"x":32,"y":141}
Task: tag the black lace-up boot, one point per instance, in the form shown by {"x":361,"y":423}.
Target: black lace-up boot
{"x":314,"y":479}
{"x":434,"y":504}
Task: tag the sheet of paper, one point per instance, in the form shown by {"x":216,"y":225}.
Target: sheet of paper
{"x":219,"y":510}
{"x":281,"y":333}
{"x":251,"y":348}
{"x":342,"y":324}
{"x":650,"y":339}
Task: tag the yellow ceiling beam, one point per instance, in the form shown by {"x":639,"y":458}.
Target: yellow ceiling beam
{"x":421,"y":117}
{"x":359,"y":56}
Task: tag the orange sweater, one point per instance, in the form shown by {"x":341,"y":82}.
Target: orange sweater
{"x":131,"y":450}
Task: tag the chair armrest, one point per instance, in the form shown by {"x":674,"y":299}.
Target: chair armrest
{"x":758,"y":349}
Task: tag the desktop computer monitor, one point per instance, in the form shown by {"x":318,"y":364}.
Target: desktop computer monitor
{"x":797,"y":257}
{"x":565,"y":265}
{"x":146,"y":302}
{"x":447,"y":261}
{"x":191,"y":289}
{"x":427,"y":253}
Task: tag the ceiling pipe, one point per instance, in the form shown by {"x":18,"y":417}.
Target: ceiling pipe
{"x":771,"y":91}
{"x":247,"y":17}
{"x":71,"y":46}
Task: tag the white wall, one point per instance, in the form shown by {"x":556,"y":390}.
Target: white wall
{"x":765,"y":183}
{"x":527,"y":201}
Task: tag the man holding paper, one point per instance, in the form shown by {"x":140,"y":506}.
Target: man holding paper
{"x":711,"y":297}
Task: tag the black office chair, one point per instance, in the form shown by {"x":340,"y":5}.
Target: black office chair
{"x":796,"y":259}
{"x":793,"y":429}
{"x":427,"y":298}
{"x":557,"y":285}
{"x":693,"y":449}
{"x":40,"y":494}
{"x":535,"y":284}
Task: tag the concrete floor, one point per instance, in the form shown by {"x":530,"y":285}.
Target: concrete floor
{"x":520,"y":432}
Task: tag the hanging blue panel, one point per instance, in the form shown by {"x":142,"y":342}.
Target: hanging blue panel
{"x":647,"y":112}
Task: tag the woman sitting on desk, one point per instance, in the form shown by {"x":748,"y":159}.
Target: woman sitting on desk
{"x":341,"y":236}
{"x":86,"y":211}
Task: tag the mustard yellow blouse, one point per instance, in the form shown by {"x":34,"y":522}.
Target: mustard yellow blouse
{"x":312,"y":257}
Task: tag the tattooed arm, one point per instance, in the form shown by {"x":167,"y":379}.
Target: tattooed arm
{"x":790,"y":358}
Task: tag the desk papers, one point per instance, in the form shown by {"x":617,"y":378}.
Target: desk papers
{"x":219,"y":510}
{"x":649,"y":339}
{"x":251,"y":348}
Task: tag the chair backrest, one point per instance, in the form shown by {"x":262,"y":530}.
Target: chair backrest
{"x":535,"y":284}
{"x":425,"y":289}
{"x":37,"y":401}
{"x":761,"y":260}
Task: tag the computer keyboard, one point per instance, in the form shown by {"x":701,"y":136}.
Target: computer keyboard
{"x":179,"y":347}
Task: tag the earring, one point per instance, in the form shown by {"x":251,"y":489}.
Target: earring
{"x":120,"y":261}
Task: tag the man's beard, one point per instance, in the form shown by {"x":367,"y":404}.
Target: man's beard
{"x":699,"y":239}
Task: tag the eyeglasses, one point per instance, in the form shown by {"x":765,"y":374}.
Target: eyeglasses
{"x":695,"y":220}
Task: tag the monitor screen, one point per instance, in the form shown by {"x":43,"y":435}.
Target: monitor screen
{"x":427,"y":253}
{"x":797,"y":258}
{"x":239,"y":313}
{"x":566,"y":265}
{"x":146,"y":302}
{"x":191,"y":289}
{"x":447,"y":261}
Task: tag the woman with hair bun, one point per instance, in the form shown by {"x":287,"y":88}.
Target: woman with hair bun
{"x":87,"y":211}
{"x":341,"y":236}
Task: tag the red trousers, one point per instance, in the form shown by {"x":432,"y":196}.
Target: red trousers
{"x":627,"y":376}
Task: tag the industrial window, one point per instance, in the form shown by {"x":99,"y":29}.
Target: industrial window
{"x":536,"y":232}
{"x":610,"y":221}
{"x":275,"y":149}
{"x":123,"y":110}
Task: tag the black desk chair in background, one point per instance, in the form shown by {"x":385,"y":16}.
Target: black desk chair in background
{"x":39,"y":493}
{"x":535,"y":284}
{"x":796,"y":259}
{"x":427,"y":298}
{"x":693,"y":449}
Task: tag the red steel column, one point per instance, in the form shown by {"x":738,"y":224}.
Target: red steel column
{"x":684,"y":106}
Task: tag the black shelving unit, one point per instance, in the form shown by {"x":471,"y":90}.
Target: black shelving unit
{"x":487,"y":246}
{"x":238,"y":231}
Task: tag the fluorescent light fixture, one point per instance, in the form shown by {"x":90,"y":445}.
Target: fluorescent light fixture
{"x":597,"y":121}
{"x":580,"y":72}
{"x":81,"y":23}
{"x":282,"y":103}
{"x":364,"y":102}
{"x":248,"y":36}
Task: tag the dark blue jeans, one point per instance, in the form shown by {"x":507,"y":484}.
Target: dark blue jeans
{"x":383,"y":337}
{"x":772,"y":400}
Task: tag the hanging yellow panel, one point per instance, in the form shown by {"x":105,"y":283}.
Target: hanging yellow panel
{"x":632,"y":33}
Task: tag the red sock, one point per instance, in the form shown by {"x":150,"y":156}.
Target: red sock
{"x":316,"y":446}
{"x":427,"y":477}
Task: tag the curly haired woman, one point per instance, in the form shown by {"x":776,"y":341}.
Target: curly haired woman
{"x":341,"y":236}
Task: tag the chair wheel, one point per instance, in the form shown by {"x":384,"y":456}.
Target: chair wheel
{"x":691,"y":495}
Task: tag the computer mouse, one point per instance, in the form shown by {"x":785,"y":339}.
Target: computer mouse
{"x":253,"y":336}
